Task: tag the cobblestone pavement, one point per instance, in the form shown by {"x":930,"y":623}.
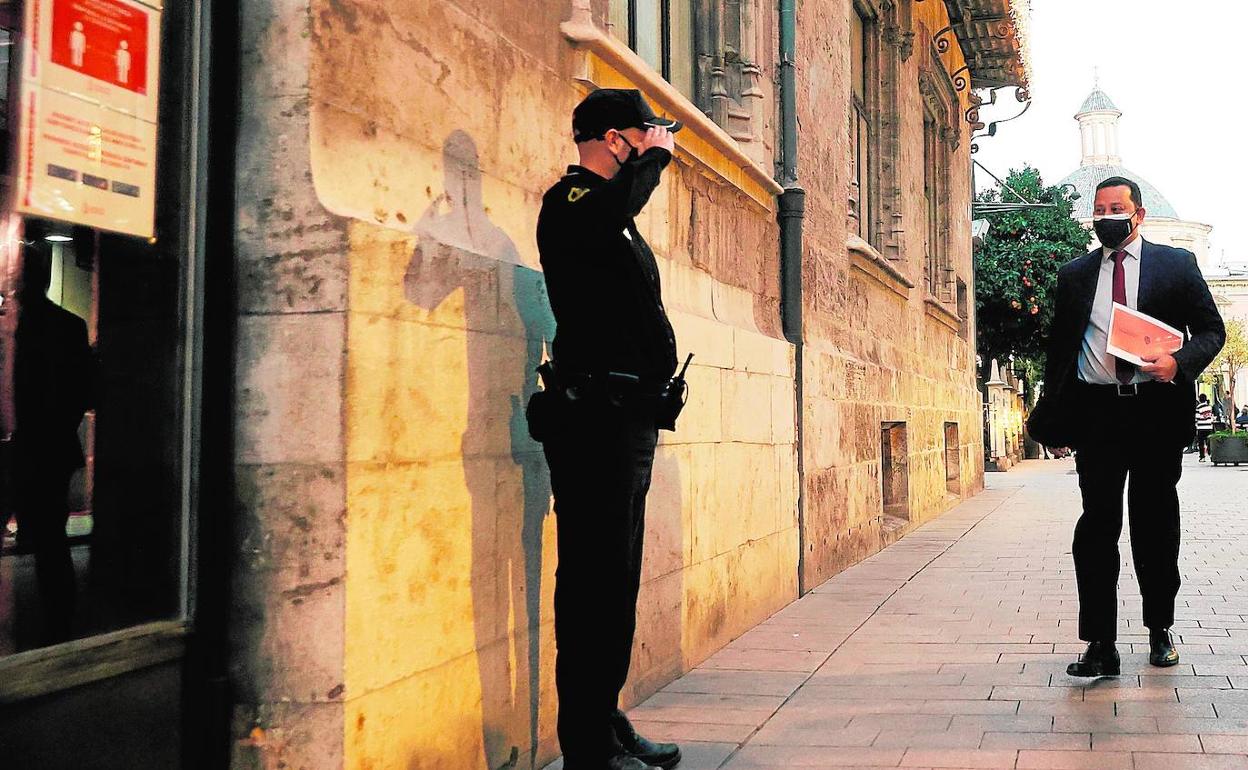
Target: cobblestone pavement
{"x":949,"y":649}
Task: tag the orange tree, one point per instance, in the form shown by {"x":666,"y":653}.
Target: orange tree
{"x":1016,"y":269}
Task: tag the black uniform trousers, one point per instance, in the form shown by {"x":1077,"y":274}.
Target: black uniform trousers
{"x":600,"y":466}
{"x":1124,"y":451}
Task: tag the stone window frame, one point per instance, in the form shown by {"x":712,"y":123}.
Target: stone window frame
{"x":888,"y":44}
{"x":603,"y":60}
{"x":941,"y":138}
{"x":725,"y":78}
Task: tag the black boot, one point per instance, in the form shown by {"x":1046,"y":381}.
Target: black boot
{"x":1100,"y":659}
{"x":1161,"y":648}
{"x":627,"y":762}
{"x":664,"y":755}
{"x":617,"y":762}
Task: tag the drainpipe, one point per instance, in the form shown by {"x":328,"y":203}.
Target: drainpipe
{"x":792,"y":210}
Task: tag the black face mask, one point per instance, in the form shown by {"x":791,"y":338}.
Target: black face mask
{"x":632,"y":153}
{"x":1113,"y":230}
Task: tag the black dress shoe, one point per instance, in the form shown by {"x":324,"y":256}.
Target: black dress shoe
{"x":617,"y":762}
{"x":664,"y":755}
{"x":1100,"y":659}
{"x":1161,"y":648}
{"x":627,"y":762}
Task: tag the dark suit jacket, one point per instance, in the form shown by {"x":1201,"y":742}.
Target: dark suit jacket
{"x":1171,"y":290}
{"x":52,"y":385}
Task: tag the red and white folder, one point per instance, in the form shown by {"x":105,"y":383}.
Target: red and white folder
{"x":1133,"y":335}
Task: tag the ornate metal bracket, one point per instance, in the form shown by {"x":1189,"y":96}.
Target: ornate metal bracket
{"x":1020,"y":94}
{"x":960,"y":81}
{"x":942,"y":39}
{"x":972,"y":112}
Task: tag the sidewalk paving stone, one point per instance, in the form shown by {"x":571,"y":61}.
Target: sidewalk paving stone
{"x":949,"y":649}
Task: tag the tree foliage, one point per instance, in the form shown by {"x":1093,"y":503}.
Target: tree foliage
{"x":1232,"y":358}
{"x":1016,"y":269}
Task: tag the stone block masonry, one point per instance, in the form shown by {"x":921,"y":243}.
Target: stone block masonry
{"x":394,"y":600}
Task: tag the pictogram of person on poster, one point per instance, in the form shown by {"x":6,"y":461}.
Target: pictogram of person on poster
{"x":78,"y":44}
{"x":123,"y":62}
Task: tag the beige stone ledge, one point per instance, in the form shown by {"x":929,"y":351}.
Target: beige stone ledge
{"x":937,"y":310}
{"x":611,"y":64}
{"x":873,"y":264}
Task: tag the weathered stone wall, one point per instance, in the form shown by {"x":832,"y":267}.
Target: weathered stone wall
{"x":396,"y":608}
{"x":394,"y":605}
{"x":289,"y":591}
{"x":875,"y":351}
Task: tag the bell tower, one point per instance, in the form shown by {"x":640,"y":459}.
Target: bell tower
{"x":1098,"y":129}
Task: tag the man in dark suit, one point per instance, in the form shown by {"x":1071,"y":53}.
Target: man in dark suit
{"x":52,"y":373}
{"x":1125,"y":421}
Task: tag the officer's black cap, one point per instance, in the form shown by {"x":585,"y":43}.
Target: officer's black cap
{"x":617,"y":108}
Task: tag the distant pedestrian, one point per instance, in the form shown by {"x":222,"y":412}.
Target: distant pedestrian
{"x":1204,"y":425}
{"x":1125,"y":421}
{"x":1241,"y":421}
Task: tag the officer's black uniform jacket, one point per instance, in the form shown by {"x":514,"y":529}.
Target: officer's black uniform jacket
{"x":602,"y":278}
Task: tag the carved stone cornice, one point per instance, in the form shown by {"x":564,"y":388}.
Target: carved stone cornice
{"x":940,"y":96}
{"x":900,"y":39}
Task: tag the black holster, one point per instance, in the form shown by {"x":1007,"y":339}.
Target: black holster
{"x":549,"y":410}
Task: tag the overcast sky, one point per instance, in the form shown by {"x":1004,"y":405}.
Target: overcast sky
{"x":1174,"y":69}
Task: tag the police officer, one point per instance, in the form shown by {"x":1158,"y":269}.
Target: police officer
{"x":614,"y":349}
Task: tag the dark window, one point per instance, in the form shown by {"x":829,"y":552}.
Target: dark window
{"x":894,"y":470}
{"x":862,"y":75}
{"x":963,"y":309}
{"x":933,"y":243}
{"x":94,"y":389}
{"x":953,"y":459}
{"x":941,"y":137}
{"x":661,"y":33}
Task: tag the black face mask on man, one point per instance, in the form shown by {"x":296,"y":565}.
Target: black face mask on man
{"x":1113,"y":230}
{"x":632,"y":152}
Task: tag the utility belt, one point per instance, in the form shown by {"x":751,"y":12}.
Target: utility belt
{"x":550,"y":410}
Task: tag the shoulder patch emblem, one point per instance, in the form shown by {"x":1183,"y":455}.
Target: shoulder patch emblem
{"x":576,"y":193}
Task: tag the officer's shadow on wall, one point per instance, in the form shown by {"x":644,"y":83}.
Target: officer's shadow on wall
{"x":509,"y":325}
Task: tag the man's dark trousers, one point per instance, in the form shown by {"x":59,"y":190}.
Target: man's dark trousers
{"x":1123,"y":453}
{"x":600,"y":467}
{"x":42,"y":504}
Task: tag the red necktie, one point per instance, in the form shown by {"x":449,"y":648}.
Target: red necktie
{"x":1125,"y":369}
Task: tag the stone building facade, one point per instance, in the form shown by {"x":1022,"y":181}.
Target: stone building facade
{"x":1005,"y":410}
{"x":393,"y":598}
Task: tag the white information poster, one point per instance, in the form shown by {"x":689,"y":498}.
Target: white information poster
{"x":87,"y":122}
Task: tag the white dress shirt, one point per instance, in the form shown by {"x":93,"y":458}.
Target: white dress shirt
{"x":1096,"y":365}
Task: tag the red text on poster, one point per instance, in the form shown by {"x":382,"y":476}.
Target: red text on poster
{"x":103,"y":39}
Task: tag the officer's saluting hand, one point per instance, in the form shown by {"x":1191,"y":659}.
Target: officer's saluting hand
{"x":614,"y":357}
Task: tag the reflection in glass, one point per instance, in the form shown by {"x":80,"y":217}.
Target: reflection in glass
{"x":649,"y":32}
{"x":95,"y":488}
{"x":89,"y":492}
{"x":52,"y":386}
